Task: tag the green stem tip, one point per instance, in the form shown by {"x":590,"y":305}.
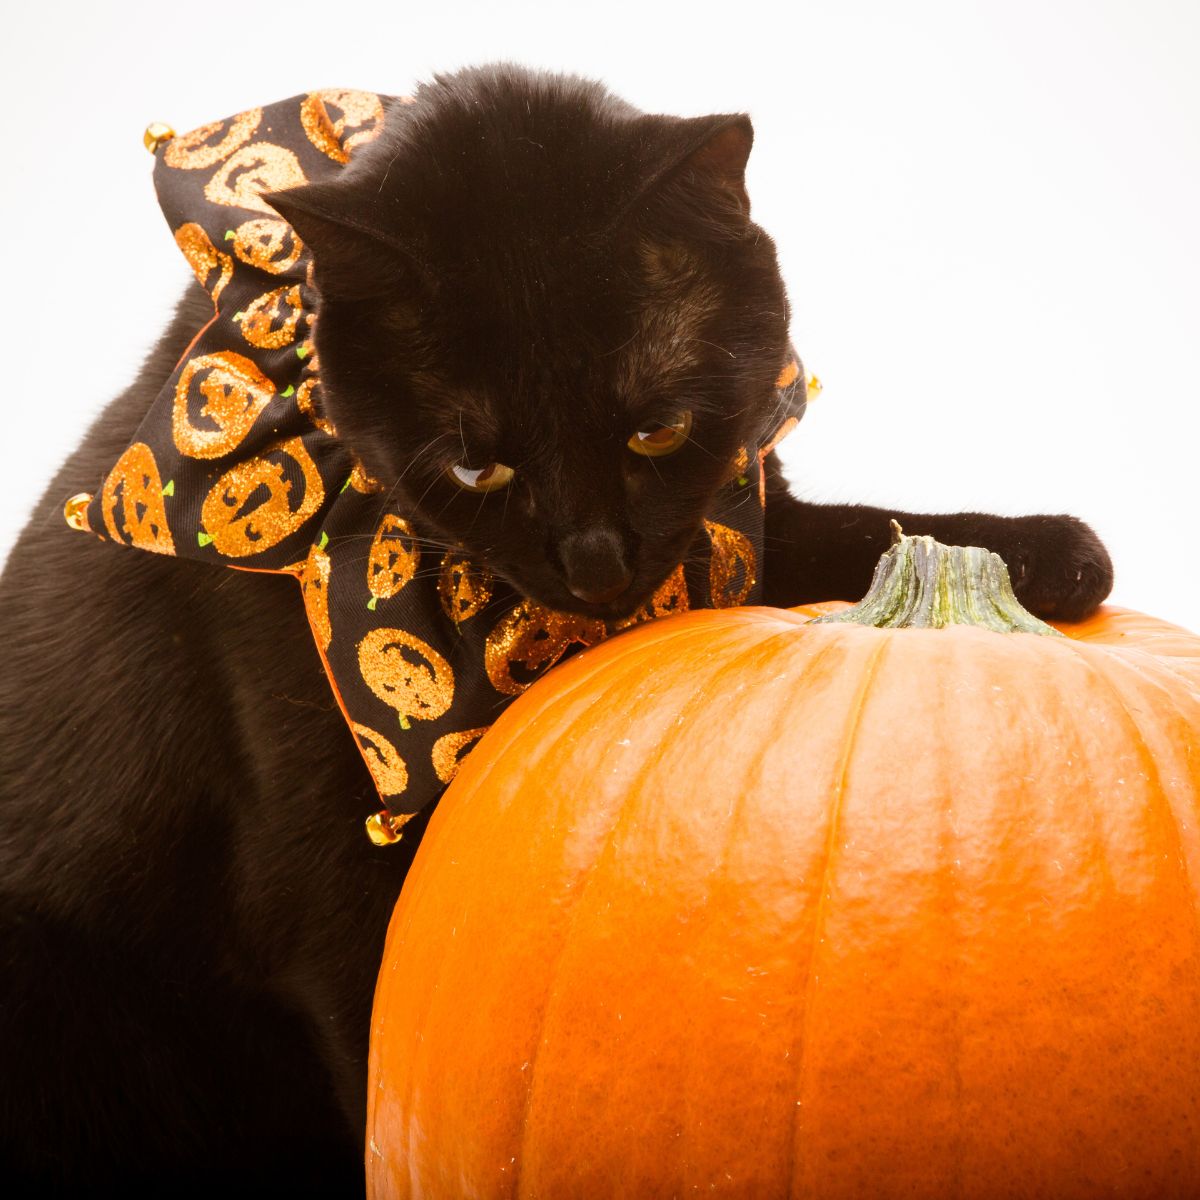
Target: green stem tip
{"x":921,"y":584}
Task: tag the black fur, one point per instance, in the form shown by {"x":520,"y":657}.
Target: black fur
{"x":191,"y":917}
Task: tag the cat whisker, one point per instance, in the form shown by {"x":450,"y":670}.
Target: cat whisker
{"x":702,"y":449}
{"x":622,"y":346}
{"x":411,"y":463}
{"x":714,"y":346}
{"x":478,"y":510}
{"x":428,"y":489}
{"x":342,"y":538}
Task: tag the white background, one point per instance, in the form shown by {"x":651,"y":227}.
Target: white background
{"x":987,"y":216}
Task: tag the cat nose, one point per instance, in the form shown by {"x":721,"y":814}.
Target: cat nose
{"x":594,"y":564}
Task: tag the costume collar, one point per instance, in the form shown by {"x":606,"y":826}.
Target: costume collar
{"x":236,"y":464}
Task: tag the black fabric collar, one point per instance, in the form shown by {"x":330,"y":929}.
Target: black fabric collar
{"x":235,"y":464}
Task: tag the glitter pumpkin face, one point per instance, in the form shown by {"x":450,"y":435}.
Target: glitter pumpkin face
{"x":464,"y":589}
{"x":393,"y":558}
{"x":306,"y":400}
{"x":732,"y":556}
{"x":532,"y":638}
{"x":738,"y":467}
{"x":270,"y":321}
{"x":240,"y":455}
{"x":361,"y":482}
{"x":212,"y":143}
{"x":387,"y":768}
{"x":259,"y":167}
{"x":406,"y":673}
{"x":267,"y":243}
{"x":132,"y":502}
{"x":314,"y":583}
{"x":336,"y":121}
{"x":670,"y":597}
{"x":234,"y":392}
{"x":450,"y":750}
{"x":204,"y":258}
{"x":793,"y":371}
{"x":239,"y":531}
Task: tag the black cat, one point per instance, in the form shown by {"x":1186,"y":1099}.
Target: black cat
{"x":191,"y":916}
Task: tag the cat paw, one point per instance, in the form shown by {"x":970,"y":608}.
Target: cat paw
{"x":1058,"y":566}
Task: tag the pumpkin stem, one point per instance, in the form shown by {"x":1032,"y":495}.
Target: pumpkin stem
{"x":921,"y":584}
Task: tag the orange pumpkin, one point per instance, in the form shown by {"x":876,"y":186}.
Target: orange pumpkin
{"x":747,"y":904}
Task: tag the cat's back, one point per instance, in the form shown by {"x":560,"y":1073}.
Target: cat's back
{"x":157,"y":716}
{"x":111,"y":691}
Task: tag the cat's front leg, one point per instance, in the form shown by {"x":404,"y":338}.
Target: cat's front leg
{"x":1059,"y":567}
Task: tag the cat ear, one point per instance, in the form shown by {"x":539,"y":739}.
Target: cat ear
{"x":696,"y":167}
{"x":351,"y":260}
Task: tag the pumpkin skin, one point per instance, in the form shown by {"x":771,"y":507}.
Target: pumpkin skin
{"x":737,"y":904}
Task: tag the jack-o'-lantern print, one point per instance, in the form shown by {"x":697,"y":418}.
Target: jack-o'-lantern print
{"x":738,"y":468}
{"x":531,"y":638}
{"x":314,"y":584}
{"x":270,"y":321}
{"x":406,"y":673}
{"x":308,"y":401}
{"x":132,"y":502}
{"x":393,"y":558}
{"x":259,"y":167}
{"x":464,"y":588}
{"x":789,"y":374}
{"x":670,"y":597}
{"x":780,"y":434}
{"x":268,"y":243}
{"x":450,"y":750}
{"x":204,"y":258}
{"x":239,"y":521}
{"x":210,"y":144}
{"x":387,"y":768}
{"x":731,"y":567}
{"x":423,"y":646}
{"x":338,"y":120}
{"x":363,"y":483}
{"x":234,"y":392}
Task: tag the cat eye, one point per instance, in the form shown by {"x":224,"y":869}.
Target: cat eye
{"x":488,"y":479}
{"x":664,"y":437}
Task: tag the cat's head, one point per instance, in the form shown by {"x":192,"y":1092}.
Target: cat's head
{"x":547,"y":324}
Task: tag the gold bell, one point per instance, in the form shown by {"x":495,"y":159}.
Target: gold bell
{"x":383,"y":827}
{"x":812,"y":386}
{"x":156,"y":133}
{"x":75,"y":511}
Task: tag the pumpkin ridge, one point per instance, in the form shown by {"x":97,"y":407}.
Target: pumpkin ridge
{"x":552,"y":975}
{"x":1101,"y":841}
{"x":783,"y":719}
{"x":1023,"y":659}
{"x":413,"y":885}
{"x":1161,"y":796}
{"x":804,"y":1039}
{"x":1112,"y":622}
{"x":469,"y":780}
{"x":1162,"y":662}
{"x":575,"y":663}
{"x":723,"y":666}
{"x":954,"y":936}
{"x":950,"y":890}
{"x":1154,"y":776}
